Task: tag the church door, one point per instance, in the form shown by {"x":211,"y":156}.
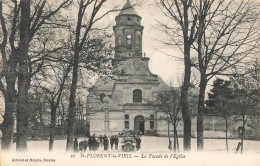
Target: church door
{"x":139,"y":124}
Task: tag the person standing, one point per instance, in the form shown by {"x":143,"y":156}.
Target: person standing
{"x":94,"y":143}
{"x":90,"y":143}
{"x":105,"y":143}
{"x":76,"y":145}
{"x":100,"y":140}
{"x":112,"y":141}
{"x":138,"y":143}
{"x":116,"y":142}
{"x":85,"y":144}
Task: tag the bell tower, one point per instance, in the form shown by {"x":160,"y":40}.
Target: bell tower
{"x":128,"y":62}
{"x":128,"y":33}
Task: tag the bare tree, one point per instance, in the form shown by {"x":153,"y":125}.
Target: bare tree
{"x":9,"y":73}
{"x":228,"y":35}
{"x":225,"y":35}
{"x":169,"y":103}
{"x":183,"y":36}
{"x":54,"y":96}
{"x":246,"y":91}
{"x":21,"y":26}
{"x":81,"y":35}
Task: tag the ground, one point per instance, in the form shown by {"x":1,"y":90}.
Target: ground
{"x":152,"y":144}
{"x":154,"y":151}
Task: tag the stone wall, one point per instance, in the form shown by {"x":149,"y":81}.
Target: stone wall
{"x":214,"y":127}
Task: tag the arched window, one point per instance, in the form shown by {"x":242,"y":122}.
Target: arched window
{"x":137,"y":96}
{"x":102,"y":96}
{"x":137,"y":44}
{"x":126,"y":116}
{"x":128,"y":41}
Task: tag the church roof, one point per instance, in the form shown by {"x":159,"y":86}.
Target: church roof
{"x":96,"y":105}
{"x":104,"y":83}
{"x":108,"y":102}
{"x":162,"y":86}
{"x":128,"y":9}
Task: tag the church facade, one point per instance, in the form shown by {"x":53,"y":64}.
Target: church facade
{"x":120,"y":103}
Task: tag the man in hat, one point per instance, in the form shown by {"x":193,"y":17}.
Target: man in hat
{"x":116,"y":141}
{"x":105,"y":143}
{"x":112,"y":141}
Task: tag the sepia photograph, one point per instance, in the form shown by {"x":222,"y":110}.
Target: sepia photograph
{"x":129,"y":82}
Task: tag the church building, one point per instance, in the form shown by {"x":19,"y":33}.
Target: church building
{"x":119,"y":103}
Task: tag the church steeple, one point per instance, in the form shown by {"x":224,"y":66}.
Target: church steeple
{"x":128,"y":33}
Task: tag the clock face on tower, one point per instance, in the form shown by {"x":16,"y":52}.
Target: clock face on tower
{"x":137,"y":64}
{"x":128,"y":36}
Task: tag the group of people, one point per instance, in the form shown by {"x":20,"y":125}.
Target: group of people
{"x":105,"y":142}
{"x":94,"y":143}
{"x":114,"y":140}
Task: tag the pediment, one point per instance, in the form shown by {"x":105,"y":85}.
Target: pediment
{"x":137,"y":80}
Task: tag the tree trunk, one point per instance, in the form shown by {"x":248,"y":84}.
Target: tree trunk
{"x":73,"y":88}
{"x":226,"y":135}
{"x":52,"y":126}
{"x":41,"y":120}
{"x":186,"y":82}
{"x":22,"y":108}
{"x":201,"y":110}
{"x":175,"y":138}
{"x":243,"y":134}
{"x":23,"y":77}
{"x":7,"y":126}
{"x":62,"y":121}
{"x":169,"y":136}
{"x":184,"y":101}
{"x":72,"y":104}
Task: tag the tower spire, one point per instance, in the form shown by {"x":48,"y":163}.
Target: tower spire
{"x":128,"y":9}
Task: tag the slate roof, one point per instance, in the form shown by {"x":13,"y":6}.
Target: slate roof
{"x":96,"y":104}
{"x":128,"y":9}
{"x":162,"y":86}
{"x":106,"y":84}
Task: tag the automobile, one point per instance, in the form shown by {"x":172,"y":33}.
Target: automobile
{"x":128,"y":143}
